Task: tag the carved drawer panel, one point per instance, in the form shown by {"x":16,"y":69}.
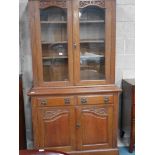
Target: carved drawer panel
{"x":95,"y":99}
{"x":56,"y":101}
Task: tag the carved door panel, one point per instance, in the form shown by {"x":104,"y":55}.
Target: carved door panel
{"x":57,"y":126}
{"x":94,"y":128}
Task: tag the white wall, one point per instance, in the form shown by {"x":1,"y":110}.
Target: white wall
{"x":125,"y":40}
{"x":125,"y":52}
{"x":26,"y":65}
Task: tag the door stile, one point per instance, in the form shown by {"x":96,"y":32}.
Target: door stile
{"x":76,"y":44}
{"x":69,"y":39}
{"x":108,"y":27}
{"x":36,"y":41}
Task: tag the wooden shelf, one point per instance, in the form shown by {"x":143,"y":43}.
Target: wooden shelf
{"x":93,"y":56}
{"x":58,"y":42}
{"x":92,"y":41}
{"x":92,"y":21}
{"x":65,"y":22}
{"x":53,"y":22}
{"x":55,"y":57}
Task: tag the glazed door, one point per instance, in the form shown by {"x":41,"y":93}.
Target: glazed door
{"x":94,"y":127}
{"x":52,"y":42}
{"x":91,"y":40}
{"x":56,"y":128}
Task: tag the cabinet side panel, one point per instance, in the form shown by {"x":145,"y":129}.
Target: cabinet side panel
{"x":35,"y":123}
{"x":34,"y":18}
{"x":115,"y":119}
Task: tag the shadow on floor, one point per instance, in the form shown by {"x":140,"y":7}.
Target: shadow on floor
{"x":125,"y":151}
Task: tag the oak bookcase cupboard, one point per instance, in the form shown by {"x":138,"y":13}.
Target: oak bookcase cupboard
{"x":74,"y":98}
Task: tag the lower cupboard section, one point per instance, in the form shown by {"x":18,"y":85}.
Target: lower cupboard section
{"x":57,"y":128}
{"x":86,"y":129}
{"x":94,"y":127}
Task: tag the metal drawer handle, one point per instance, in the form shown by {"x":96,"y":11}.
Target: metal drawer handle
{"x":67,"y":100}
{"x":78,"y":125}
{"x":74,"y":45}
{"x":106,"y":99}
{"x":83,"y":100}
{"x":44,"y":102}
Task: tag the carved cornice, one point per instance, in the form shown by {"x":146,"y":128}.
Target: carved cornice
{"x":85,"y":3}
{"x":98,"y":111}
{"x":51,"y":114}
{"x":48,"y":3}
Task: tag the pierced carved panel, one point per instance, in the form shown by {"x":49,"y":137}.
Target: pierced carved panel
{"x":98,"y":111}
{"x":85,"y":3}
{"x":51,"y":114}
{"x":49,"y":3}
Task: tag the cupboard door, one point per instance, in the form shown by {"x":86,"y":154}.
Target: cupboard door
{"x":92,"y":23}
{"x":53,"y":59}
{"x":94,"y":127}
{"x":57,"y":128}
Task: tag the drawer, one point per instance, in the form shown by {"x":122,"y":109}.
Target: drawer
{"x":56,"y":101}
{"x":95,"y":99}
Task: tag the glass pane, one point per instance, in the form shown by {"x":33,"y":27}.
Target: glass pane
{"x":54,"y":44}
{"x":92,"y":47}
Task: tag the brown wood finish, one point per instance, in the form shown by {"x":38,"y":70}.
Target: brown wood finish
{"x":128,"y":111}
{"x":73,"y":90}
{"x":91,"y":124}
{"x":113,"y":151}
{"x":96,"y":127}
{"x":76,"y":41}
{"x":68,"y":5}
{"x":57,"y":101}
{"x":113,"y":42}
{"x":95,"y":99}
{"x":73,"y":65}
{"x":36,"y":133}
{"x":108,"y":45}
{"x":57,"y":127}
{"x":51,"y":152}
{"x":132,"y":133}
{"x":108,"y":39}
{"x":75,"y":116}
{"x":22,"y":131}
{"x":34,"y":18}
{"x":36,"y":46}
{"x":37,"y":152}
{"x":115,"y":119}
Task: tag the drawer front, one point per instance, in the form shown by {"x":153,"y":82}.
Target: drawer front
{"x":95,"y":99}
{"x":56,"y":101}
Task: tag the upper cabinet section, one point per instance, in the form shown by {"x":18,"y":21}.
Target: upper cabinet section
{"x":92,"y":43}
{"x":72,"y":42}
{"x":54,"y":44}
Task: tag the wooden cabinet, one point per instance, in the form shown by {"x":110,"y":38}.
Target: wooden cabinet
{"x":74,"y":98}
{"x":95,"y":127}
{"x":22,"y":128}
{"x":128,"y":111}
{"x":57,"y":125}
{"x":73,"y":42}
